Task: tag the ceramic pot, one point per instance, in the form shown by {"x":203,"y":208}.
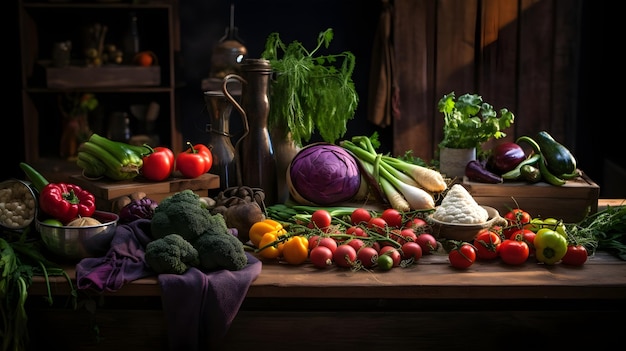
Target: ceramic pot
{"x":452,"y":162}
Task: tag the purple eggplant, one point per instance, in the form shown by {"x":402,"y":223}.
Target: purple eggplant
{"x":475,"y":171}
{"x":505,"y":156}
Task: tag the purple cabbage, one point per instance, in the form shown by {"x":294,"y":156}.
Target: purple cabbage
{"x":137,"y":209}
{"x":324,"y":174}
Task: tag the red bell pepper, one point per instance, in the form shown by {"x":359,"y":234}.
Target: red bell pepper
{"x":194,"y":161}
{"x":158,"y":165}
{"x":66,"y":202}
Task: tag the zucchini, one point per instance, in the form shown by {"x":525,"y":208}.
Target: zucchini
{"x":559,"y":159}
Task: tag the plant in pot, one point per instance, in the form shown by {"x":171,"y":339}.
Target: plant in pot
{"x":310,"y":93}
{"x":468,"y":123}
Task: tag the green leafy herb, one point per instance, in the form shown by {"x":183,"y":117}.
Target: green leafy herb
{"x":603,"y":230}
{"x":310,"y":93}
{"x":469,"y":121}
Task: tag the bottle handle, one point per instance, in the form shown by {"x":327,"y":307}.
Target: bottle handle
{"x":244,"y":119}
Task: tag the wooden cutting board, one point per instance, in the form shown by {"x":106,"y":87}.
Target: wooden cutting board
{"x":108,"y":189}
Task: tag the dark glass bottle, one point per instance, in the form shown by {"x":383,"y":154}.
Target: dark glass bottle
{"x":257,"y":164}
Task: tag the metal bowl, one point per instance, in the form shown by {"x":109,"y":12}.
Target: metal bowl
{"x":465,"y":232}
{"x":16,"y":193}
{"x":76,"y":243}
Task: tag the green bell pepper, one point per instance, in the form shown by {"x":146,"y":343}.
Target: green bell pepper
{"x":550,"y":246}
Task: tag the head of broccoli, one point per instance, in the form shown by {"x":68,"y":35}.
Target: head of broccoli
{"x":171,"y":254}
{"x":182,"y":214}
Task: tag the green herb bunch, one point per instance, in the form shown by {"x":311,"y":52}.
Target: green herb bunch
{"x":469,"y":121}
{"x":310,"y":93}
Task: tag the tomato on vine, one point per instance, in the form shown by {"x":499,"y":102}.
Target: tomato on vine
{"x":576,"y":255}
{"x":359,"y":216}
{"x":516,"y":219}
{"x":462,"y":256}
{"x":514,"y":251}
{"x":393,"y":217}
{"x":321,"y":219}
{"x":487,"y":244}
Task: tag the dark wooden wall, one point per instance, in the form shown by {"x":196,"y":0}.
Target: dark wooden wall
{"x":522,"y":55}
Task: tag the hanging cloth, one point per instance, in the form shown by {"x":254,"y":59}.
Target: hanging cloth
{"x":384,"y":93}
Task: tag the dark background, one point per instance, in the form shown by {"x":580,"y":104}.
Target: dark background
{"x":203,"y":23}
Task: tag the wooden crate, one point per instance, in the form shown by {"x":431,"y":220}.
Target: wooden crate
{"x":570,"y":202}
{"x":107,"y":191}
{"x":105,"y":76}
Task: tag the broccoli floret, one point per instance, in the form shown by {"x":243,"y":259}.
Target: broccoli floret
{"x":217,"y":248}
{"x":171,"y":254}
{"x":181,"y":213}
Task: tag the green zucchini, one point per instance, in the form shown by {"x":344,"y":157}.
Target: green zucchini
{"x":559,"y":159}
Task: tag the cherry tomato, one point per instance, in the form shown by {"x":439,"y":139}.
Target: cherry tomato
{"x":316,"y":240}
{"x":321,"y":219}
{"x":417,"y":224}
{"x":407,"y":235}
{"x":321,"y":257}
{"x":393,"y":217}
{"x":527,"y":236}
{"x":344,"y":256}
{"x":487,"y":244}
{"x":411,"y":249}
{"x":391,"y":252}
{"x":463,"y":256}
{"x":378,"y":224}
{"x":356,"y":231}
{"x":516,"y":219}
{"x":159,"y":164}
{"x":357,"y":244}
{"x":576,"y":255}
{"x":384,"y":262}
{"x":514,"y":252}
{"x":368,"y":256}
{"x":427,"y":242}
{"x":360,"y":215}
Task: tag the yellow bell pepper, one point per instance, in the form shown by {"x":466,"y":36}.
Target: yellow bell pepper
{"x":269,"y":247}
{"x":259,"y":229}
{"x":296,"y":250}
{"x":550,"y":246}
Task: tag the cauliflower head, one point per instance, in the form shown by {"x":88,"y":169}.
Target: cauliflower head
{"x":458,"y":206}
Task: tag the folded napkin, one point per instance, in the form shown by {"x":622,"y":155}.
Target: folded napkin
{"x":123,"y":263}
{"x":200,"y":307}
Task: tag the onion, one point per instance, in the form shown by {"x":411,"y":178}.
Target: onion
{"x":506,"y":156}
{"x":323,"y":174}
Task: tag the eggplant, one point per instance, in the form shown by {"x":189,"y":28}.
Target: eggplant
{"x":505,"y":157}
{"x":475,"y":171}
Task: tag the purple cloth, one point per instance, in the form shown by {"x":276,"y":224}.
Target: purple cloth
{"x":123,"y":263}
{"x":200,"y":307}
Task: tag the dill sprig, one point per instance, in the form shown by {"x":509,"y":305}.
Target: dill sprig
{"x":310,"y":93}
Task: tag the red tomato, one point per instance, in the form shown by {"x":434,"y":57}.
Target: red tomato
{"x":204,"y":150}
{"x":514,"y":252}
{"x":393,"y":217}
{"x":417,"y":224}
{"x":378,"y":224}
{"x":576,"y":255}
{"x":368,"y":256}
{"x":159,"y":164}
{"x":462,"y":257}
{"x":487,"y":244}
{"x":357,"y":244}
{"x":411,"y":249}
{"x":191,"y":164}
{"x":427,"y":242}
{"x":321,"y":256}
{"x":344,"y":256}
{"x":527,"y":236}
{"x":356,"y":231}
{"x":321,"y":219}
{"x":408,"y":235}
{"x":516,"y":219}
{"x":316,"y":240}
{"x":360,"y":215}
{"x":393,"y":253}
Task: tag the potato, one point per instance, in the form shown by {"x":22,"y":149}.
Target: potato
{"x":84,"y":222}
{"x":242,"y":217}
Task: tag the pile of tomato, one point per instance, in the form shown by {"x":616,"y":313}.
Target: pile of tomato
{"x":363,"y":240}
{"x":522,"y":238}
{"x":367,"y":239}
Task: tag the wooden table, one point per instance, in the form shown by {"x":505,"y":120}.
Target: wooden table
{"x":429,"y":305}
